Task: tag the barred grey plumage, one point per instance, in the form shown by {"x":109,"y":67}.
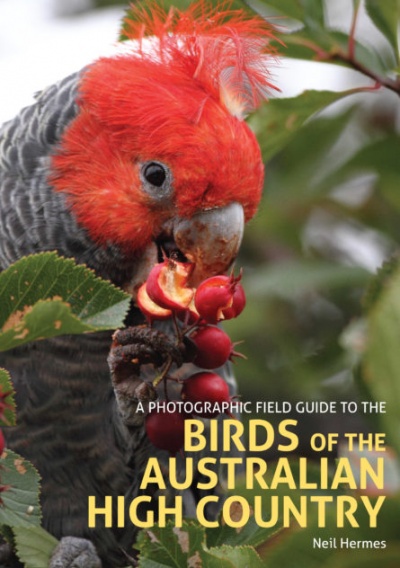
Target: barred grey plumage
{"x":33,"y":217}
{"x":29,"y":207}
{"x":68,"y":423}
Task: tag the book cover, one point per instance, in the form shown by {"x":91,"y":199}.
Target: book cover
{"x":221,"y":188}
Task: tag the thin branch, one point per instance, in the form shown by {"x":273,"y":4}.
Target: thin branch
{"x":349,"y":58}
{"x":161,"y":376}
{"x":352,"y":34}
{"x":352,"y":62}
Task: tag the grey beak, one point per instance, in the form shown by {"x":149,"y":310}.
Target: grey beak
{"x":210,"y":239}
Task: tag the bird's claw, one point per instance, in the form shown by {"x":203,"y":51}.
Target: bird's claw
{"x":141,"y":345}
{"x":132,"y":348}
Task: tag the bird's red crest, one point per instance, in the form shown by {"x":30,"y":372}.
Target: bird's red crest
{"x":176,"y":92}
{"x":227,"y":51}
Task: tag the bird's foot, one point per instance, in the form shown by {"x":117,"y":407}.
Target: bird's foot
{"x":73,"y":552}
{"x":142,"y":345}
{"x":132,"y":348}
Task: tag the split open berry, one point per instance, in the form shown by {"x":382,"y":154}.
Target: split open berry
{"x":167,"y":284}
{"x":205,"y":387}
{"x":213,"y":347}
{"x":165,"y":430}
{"x":219,"y":297}
{"x":150,"y":309}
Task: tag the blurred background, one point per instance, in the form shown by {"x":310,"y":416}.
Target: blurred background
{"x":42,"y":41}
{"x":326,"y":221}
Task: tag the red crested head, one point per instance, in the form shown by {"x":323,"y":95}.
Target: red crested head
{"x":160,"y":133}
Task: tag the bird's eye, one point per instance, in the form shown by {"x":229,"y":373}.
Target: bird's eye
{"x":155,"y":174}
{"x":157,"y":181}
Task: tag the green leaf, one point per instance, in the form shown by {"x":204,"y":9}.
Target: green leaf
{"x":331,"y":46}
{"x":382,"y":357}
{"x":231,"y":556}
{"x":20,"y":500}
{"x":44,"y":295}
{"x":251,"y":534}
{"x":385,"y":14}
{"x":276,"y":123}
{"x":290,"y":8}
{"x":170,"y":546}
{"x":173,"y":547}
{"x":44,"y":319}
{"x":314,"y":13}
{"x":34,"y":546}
{"x":7,"y":403}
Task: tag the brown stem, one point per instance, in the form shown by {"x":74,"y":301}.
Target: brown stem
{"x":350,"y":58}
{"x":164,"y":372}
{"x":352,"y":62}
{"x":351,"y":45}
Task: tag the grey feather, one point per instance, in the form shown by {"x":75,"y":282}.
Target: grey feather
{"x":33,"y":217}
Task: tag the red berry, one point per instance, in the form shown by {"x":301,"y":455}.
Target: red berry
{"x":2,"y":442}
{"x":219,"y":297}
{"x":211,"y":297}
{"x":150,"y":309}
{"x":238,"y":303}
{"x":214,"y":347}
{"x":205,"y":387}
{"x":165,"y":430}
{"x":167,"y":286}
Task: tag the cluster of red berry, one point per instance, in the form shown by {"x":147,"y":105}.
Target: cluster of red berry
{"x":166,"y":294}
